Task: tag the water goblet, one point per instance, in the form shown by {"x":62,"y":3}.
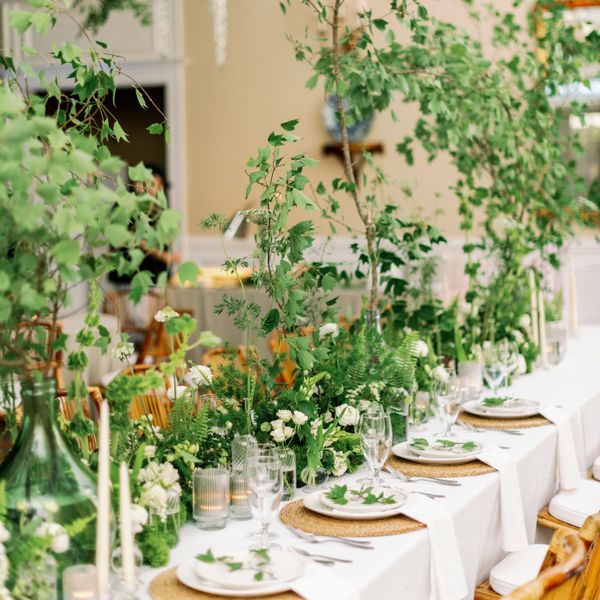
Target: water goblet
{"x":375,"y":432}
{"x":493,"y":369}
{"x":448,"y":398}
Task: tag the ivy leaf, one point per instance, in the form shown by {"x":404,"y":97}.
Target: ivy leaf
{"x":337,"y":494}
{"x":42,"y":21}
{"x":117,"y":235}
{"x":140,"y":98}
{"x":66,"y":252}
{"x":119,"y":132}
{"x":207,"y":557}
{"x":188,"y":271}
{"x":20,"y":20}
{"x":270,"y":321}
{"x":139,"y":173}
{"x":290,"y":125}
{"x":155,"y":129}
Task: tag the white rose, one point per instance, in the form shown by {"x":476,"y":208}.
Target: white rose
{"x":165,"y":314}
{"x":364,"y":404}
{"x":327,"y":417}
{"x":519,"y":337}
{"x":150,"y":451}
{"x":150,"y":474}
{"x":441,"y":374}
{"x":278,"y":435}
{"x":521,"y":365}
{"x":288,"y":432}
{"x":4,"y":568}
{"x":284,"y":415}
{"x":525,"y":321}
{"x":331,"y":329}
{"x":199,"y":375}
{"x":299,"y":417}
{"x":277,"y":424}
{"x":179,"y":391}
{"x":59,"y":539}
{"x":340,"y":464}
{"x":139,"y":518}
{"x":314,"y":426}
{"x":421,"y":349}
{"x":154,"y":497}
{"x":4,"y":534}
{"x":168,"y":475}
{"x":348,"y":415}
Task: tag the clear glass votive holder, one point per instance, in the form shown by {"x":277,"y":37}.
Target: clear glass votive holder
{"x":240,"y":508}
{"x":240,"y":445}
{"x":287,"y":458}
{"x":470,"y":374}
{"x":211,"y":498}
{"x":80,"y":582}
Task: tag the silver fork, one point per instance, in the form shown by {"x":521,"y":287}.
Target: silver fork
{"x":313,"y":539}
{"x":485,"y":430}
{"x":303,"y":552}
{"x":406,"y":478}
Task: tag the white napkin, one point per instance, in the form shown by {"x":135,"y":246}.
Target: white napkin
{"x":569,"y":474}
{"x":514,"y":532}
{"x":321,"y":583}
{"x":448,"y":580}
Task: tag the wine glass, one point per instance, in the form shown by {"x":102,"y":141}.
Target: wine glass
{"x":418,"y":410}
{"x":493,"y":368}
{"x":265,"y":480}
{"x":508,"y":353}
{"x":448,"y":396}
{"x":375,"y":431}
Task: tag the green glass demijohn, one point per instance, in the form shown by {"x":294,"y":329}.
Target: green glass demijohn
{"x":43,"y":475}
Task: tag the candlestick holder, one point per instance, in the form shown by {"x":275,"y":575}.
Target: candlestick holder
{"x":80,"y":582}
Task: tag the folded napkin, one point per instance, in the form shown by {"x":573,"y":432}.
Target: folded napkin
{"x":569,"y":474}
{"x":514,"y":533}
{"x":448,"y":580}
{"x":321,"y":583}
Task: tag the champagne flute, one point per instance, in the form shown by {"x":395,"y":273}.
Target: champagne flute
{"x":448,"y":395}
{"x":493,"y":369}
{"x":375,"y":431}
{"x":509,"y":355}
{"x":265,"y":480}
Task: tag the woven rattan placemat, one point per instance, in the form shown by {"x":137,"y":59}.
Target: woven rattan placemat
{"x":413,"y":469}
{"x":166,"y":586}
{"x":495,"y":423}
{"x":297,"y":516}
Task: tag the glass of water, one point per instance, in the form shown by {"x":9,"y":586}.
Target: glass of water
{"x":448,"y":397}
{"x":375,"y":431}
{"x":493,"y":368}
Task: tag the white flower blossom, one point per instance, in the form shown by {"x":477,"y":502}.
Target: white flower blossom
{"x":278,"y":435}
{"x":340,"y":464}
{"x":299,"y":417}
{"x":314,"y":426}
{"x":519,"y":337}
{"x":349,"y":415}
{"x":440,"y":373}
{"x":165,"y":314}
{"x":123,"y":350}
{"x":288,"y":432}
{"x":4,"y":569}
{"x":421,"y":349}
{"x":150,"y":451}
{"x":199,"y":375}
{"x":139,"y":518}
{"x":169,"y":476}
{"x":364,"y":404}
{"x":4,"y":533}
{"x":154,"y":497}
{"x":284,"y":415}
{"x":327,"y":417}
{"x":59,"y":538}
{"x":331,"y":329}
{"x":179,"y":391}
{"x":525,"y":321}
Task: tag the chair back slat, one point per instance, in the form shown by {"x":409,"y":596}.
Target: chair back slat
{"x":90,"y":406}
{"x":154,"y":403}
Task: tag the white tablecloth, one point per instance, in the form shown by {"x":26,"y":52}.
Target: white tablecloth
{"x":399,"y":565}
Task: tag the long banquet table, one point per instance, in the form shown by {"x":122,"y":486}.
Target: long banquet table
{"x":399,"y":566}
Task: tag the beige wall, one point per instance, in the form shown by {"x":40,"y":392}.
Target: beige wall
{"x":231,"y":110}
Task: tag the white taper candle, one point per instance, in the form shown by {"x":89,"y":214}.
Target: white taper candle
{"x":103,"y":519}
{"x":572,"y":290}
{"x":126,"y":528}
{"x":543,"y":345}
{"x":534,"y":309}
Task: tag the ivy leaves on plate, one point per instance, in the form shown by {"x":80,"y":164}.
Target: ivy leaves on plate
{"x":440,"y":444}
{"x":340,"y":494}
{"x":260,"y":559}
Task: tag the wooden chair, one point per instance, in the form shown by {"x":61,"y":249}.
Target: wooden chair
{"x":154,"y":403}
{"x":56,"y":356}
{"x":561,"y":580}
{"x":545,"y":519}
{"x":118,"y":304}
{"x":68,"y":408}
{"x":587,"y":586}
{"x":156,"y":346}
{"x":217,"y":358}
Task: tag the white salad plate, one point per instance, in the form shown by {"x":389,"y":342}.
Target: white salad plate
{"x":403,"y":450}
{"x":282,"y":568}
{"x":525,"y":408}
{"x":355,"y":506}
{"x":432,"y":451}
{"x":313,"y":502}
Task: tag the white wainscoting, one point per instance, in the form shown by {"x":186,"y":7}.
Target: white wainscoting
{"x":584,"y":254}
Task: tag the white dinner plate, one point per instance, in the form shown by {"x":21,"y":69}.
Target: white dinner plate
{"x":355,"y":506}
{"x":284,"y":567}
{"x":529,"y":408}
{"x":403,"y":450}
{"x":187,"y":574}
{"x":441,"y":452}
{"x":313,"y":502}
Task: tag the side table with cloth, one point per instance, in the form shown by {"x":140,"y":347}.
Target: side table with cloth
{"x":202,"y":301}
{"x":98,"y":363}
{"x":399,"y":565}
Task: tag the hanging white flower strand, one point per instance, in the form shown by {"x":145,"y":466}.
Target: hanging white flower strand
{"x":219,"y":15}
